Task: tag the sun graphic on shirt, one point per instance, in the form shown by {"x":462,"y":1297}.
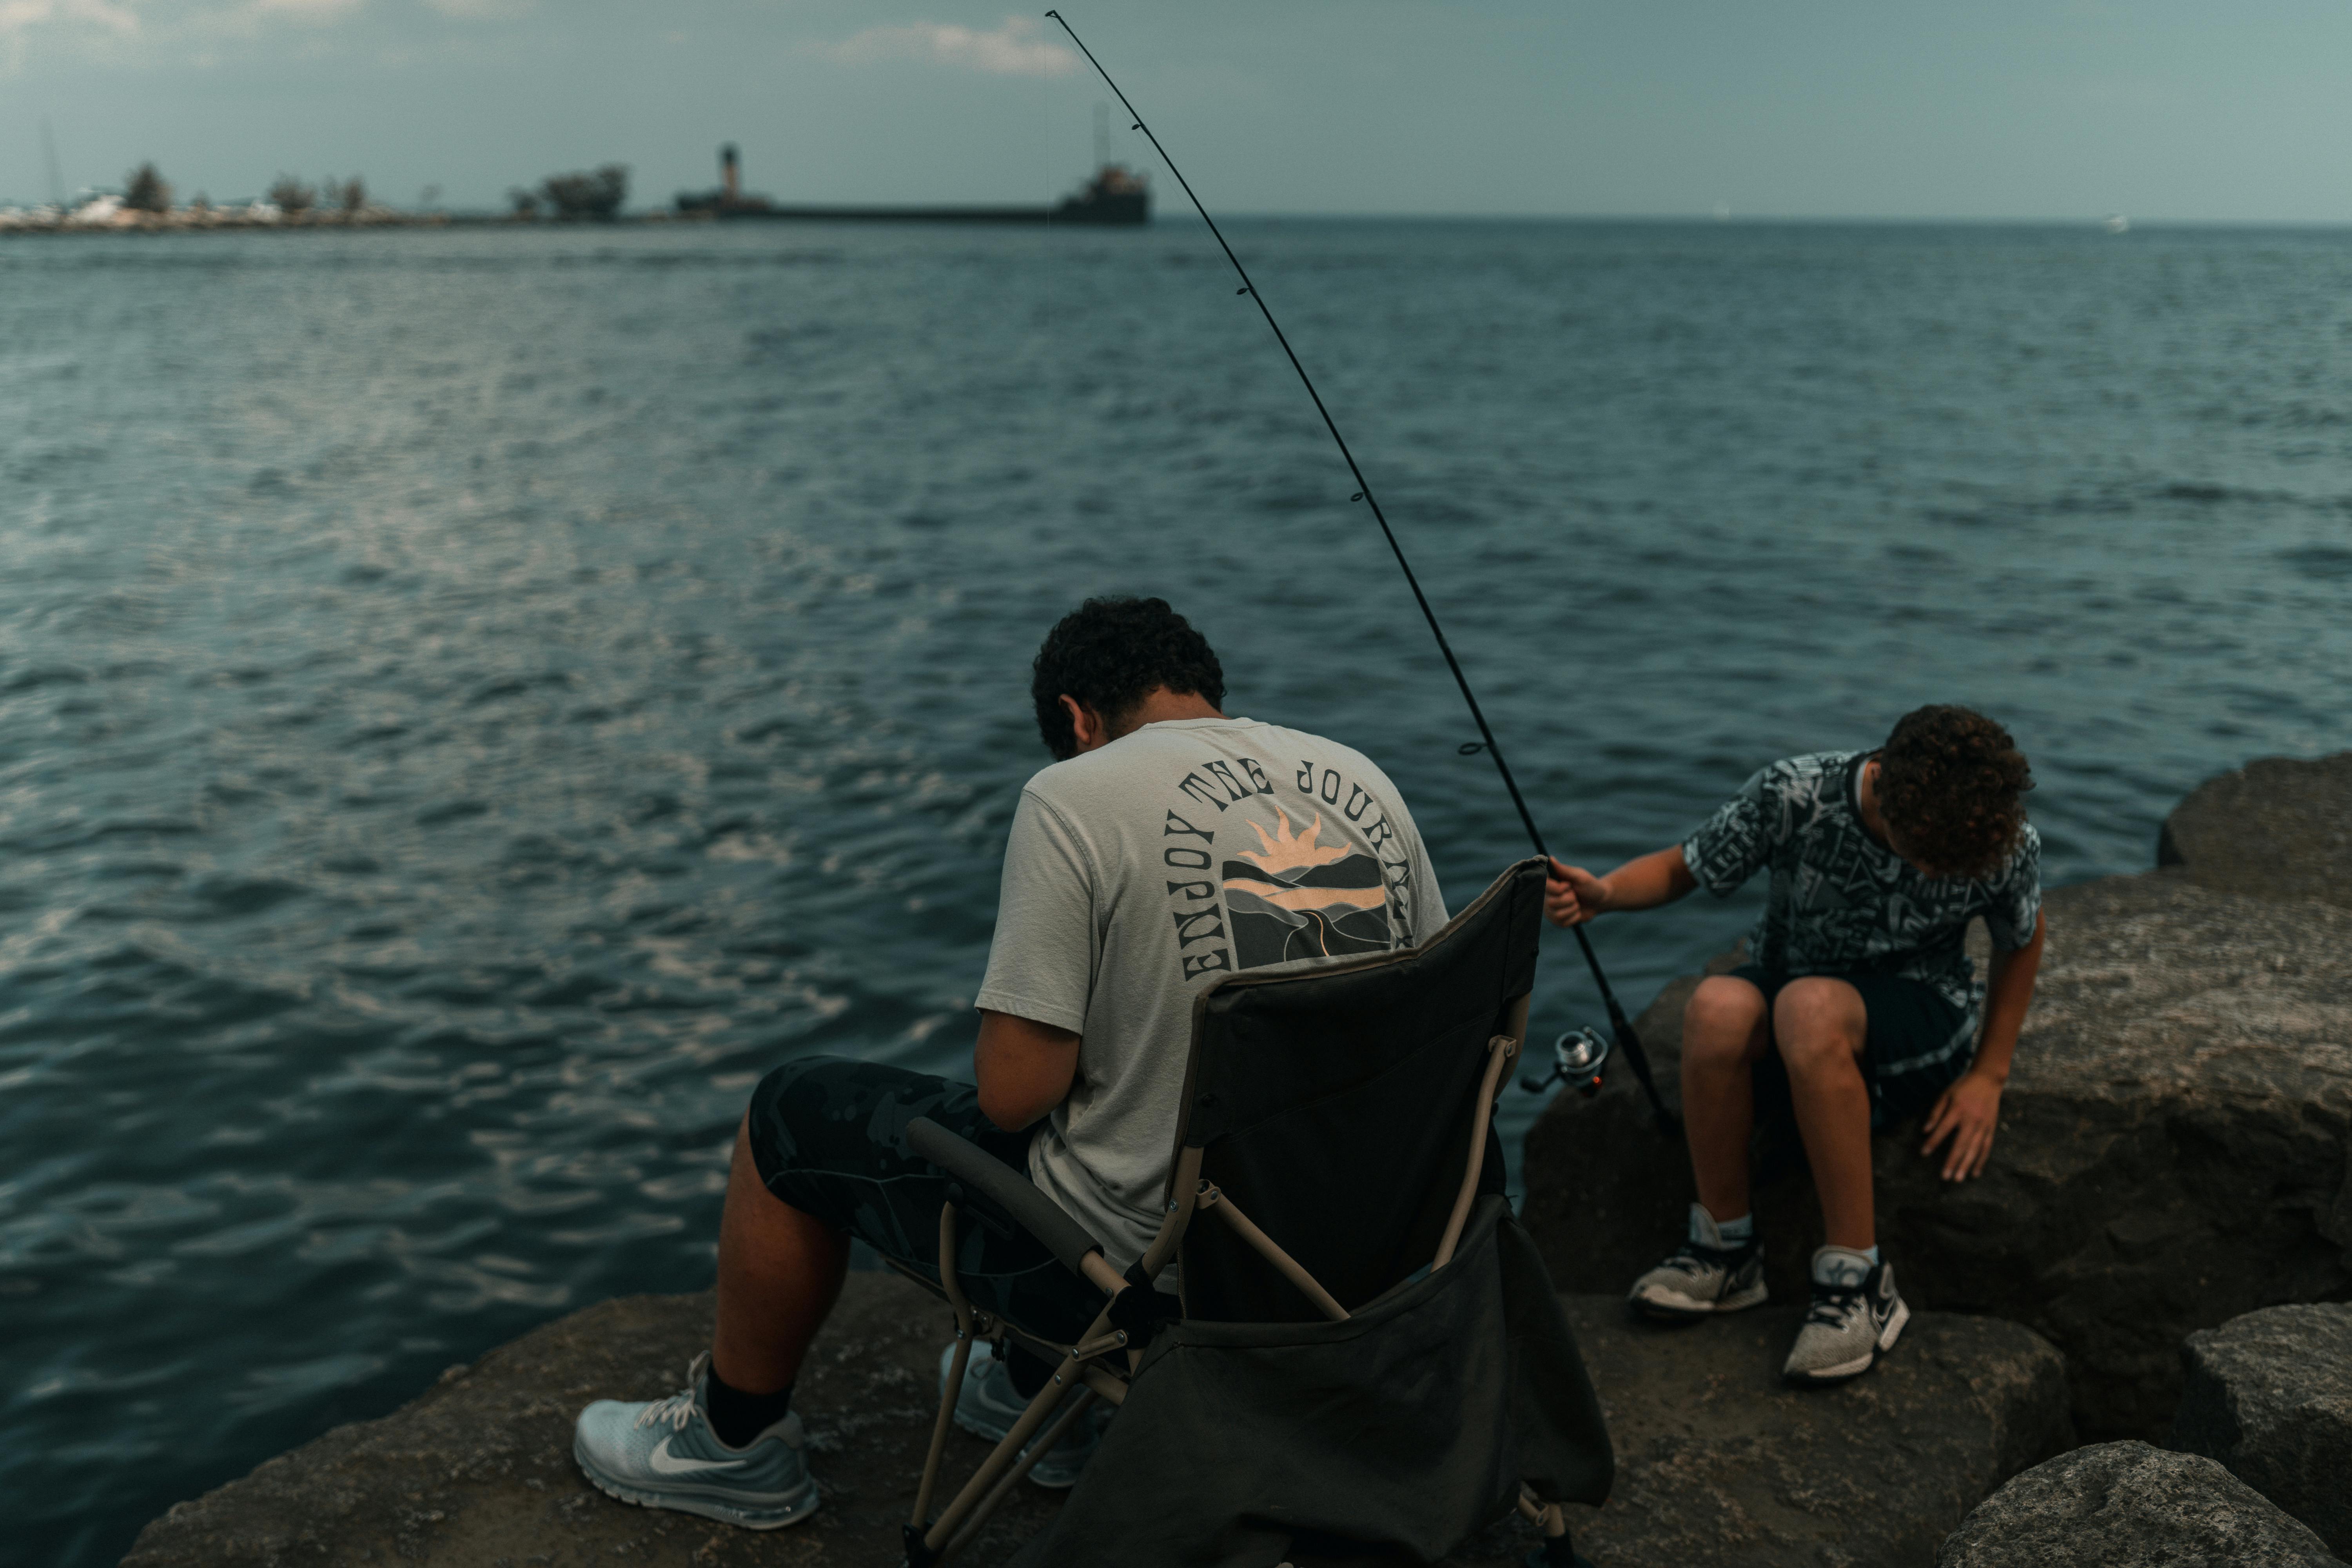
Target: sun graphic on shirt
{"x":1286,"y":852}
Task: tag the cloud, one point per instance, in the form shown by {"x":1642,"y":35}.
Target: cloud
{"x":303,"y":10}
{"x":90,"y":20}
{"x":1015,"y":47}
{"x":481,"y":10}
{"x":17,"y":17}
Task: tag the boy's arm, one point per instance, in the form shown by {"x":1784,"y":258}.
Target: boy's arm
{"x":1573,"y":895}
{"x":1967,"y":1111}
{"x":2008,"y":992}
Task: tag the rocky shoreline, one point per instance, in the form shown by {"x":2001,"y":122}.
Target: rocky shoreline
{"x":2155,"y":1262}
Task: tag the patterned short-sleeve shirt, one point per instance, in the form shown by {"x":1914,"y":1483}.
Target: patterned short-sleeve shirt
{"x":1840,"y":902}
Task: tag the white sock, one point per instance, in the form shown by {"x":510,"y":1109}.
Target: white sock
{"x":1844,"y":1265}
{"x":1706,"y":1230}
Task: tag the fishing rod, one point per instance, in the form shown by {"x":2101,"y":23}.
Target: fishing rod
{"x":1623,"y":1028}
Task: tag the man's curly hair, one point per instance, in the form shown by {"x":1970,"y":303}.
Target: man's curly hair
{"x":1951,"y":783}
{"x":1111,"y":654}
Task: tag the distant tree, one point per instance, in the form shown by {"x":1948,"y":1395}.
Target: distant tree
{"x":526,"y":202}
{"x":145,"y":191}
{"x":354,"y":196}
{"x":597,"y":196}
{"x":291,"y":196}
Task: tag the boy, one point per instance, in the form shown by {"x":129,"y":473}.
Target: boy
{"x":1858,"y":983}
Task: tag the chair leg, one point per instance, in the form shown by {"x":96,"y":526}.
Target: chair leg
{"x":955,"y":1372}
{"x":943,"y":1530}
{"x":1557,"y":1550}
{"x":1070,"y":1416}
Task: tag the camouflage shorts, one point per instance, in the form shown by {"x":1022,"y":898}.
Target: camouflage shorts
{"x":829,"y":1137}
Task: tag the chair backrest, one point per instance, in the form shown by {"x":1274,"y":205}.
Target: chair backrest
{"x":1333,"y":1103}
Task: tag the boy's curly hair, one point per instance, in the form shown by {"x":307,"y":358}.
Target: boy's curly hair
{"x":1109,"y":654}
{"x":1951,"y":783}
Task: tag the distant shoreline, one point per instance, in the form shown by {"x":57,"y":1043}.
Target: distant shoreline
{"x":36,"y":221}
{"x":258,"y":219}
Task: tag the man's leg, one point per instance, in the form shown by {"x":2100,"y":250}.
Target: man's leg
{"x":780,"y":1272}
{"x":727,"y":1446}
{"x":1821,"y":1025}
{"x":1725,"y":1030}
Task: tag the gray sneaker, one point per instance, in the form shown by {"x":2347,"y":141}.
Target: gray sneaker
{"x":1851,"y":1322}
{"x":988,"y":1405}
{"x":1703,"y":1278}
{"x":663,"y":1454}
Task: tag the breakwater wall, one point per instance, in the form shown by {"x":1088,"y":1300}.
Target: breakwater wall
{"x":2153,"y":1257}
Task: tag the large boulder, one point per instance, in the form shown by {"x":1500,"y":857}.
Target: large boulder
{"x":2277,"y":827}
{"x":2270,"y":1396}
{"x":2127,"y":1505}
{"x":2175,"y":1147}
{"x":477,"y":1470}
{"x":1717,"y":1463}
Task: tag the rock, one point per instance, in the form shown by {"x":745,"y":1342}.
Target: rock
{"x":2270,"y":1396}
{"x":477,"y":1470}
{"x":1719,"y":1463}
{"x":2175,"y":1147}
{"x":2276,"y":828}
{"x":2127,"y":1505}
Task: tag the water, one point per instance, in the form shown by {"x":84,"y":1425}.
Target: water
{"x":470,"y":703}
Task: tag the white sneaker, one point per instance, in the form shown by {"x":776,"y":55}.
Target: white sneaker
{"x":988,"y":1405}
{"x":663,"y":1454}
{"x":1703,"y":1278}
{"x":1854,"y":1321}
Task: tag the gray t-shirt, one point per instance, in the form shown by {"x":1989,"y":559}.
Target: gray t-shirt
{"x":1137,"y":873}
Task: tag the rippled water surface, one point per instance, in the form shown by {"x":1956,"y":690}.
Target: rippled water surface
{"x":470,"y":702}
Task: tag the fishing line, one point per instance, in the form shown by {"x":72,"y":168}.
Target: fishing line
{"x":1627,"y":1040}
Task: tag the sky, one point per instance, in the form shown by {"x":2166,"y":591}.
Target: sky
{"x":2041,"y":110}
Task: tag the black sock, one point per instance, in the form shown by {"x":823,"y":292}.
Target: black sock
{"x":1029,"y":1371}
{"x":737,"y":1417}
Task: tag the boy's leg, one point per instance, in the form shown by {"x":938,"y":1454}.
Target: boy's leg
{"x":1821,"y":1027}
{"x":780,"y":1272}
{"x":1726,"y":1028}
{"x":1724,"y":1032}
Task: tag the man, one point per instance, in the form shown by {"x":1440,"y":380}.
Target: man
{"x":1859,"y":989}
{"x":1168,"y":846}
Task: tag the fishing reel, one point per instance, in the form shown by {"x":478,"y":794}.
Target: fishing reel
{"x":1580,"y":1059}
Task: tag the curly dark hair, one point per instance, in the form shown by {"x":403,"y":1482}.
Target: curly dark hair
{"x":1951,"y":781}
{"x":1111,"y":654}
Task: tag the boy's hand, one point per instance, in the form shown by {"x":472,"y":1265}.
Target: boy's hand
{"x":1573,"y":895}
{"x":1965,"y":1113}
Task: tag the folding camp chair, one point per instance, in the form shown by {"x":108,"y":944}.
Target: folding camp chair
{"x":1366,"y":1352}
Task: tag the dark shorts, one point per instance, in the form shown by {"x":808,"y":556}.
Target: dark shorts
{"x":829,"y":1137}
{"x":1907,"y":1055}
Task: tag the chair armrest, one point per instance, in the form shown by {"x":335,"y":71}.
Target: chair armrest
{"x":991,"y":1179}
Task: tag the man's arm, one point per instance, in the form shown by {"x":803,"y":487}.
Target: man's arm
{"x":1024,"y":1068}
{"x":1967,"y":1111}
{"x":1573,"y":895}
